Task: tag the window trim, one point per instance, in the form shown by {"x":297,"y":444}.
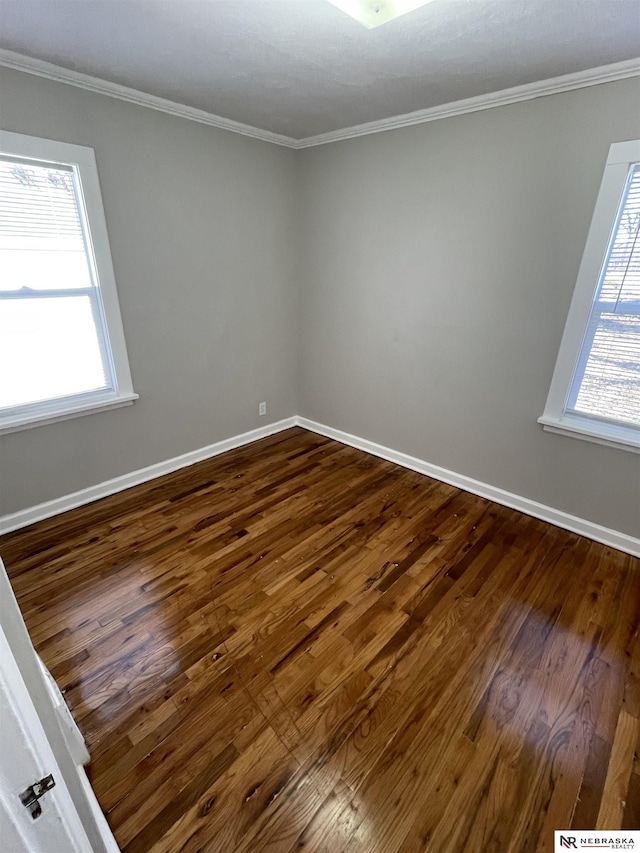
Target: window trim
{"x":555,"y":419}
{"x":83,"y":160}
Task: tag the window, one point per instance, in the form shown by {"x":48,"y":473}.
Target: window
{"x":595,"y":391}
{"x":62,"y":348}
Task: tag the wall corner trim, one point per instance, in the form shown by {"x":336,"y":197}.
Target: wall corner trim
{"x":613,"y":538}
{"x":501,"y":98}
{"x":58,"y":74}
{"x":581,"y":526}
{"x":528,"y":91}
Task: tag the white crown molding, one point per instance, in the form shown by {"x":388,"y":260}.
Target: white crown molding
{"x":613,"y":538}
{"x":19,"y":62}
{"x":552,"y":86}
{"x":581,"y":526}
{"x":24,"y":517}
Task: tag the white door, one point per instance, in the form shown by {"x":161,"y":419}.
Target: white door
{"x":34,"y":694}
{"x":25,"y":758}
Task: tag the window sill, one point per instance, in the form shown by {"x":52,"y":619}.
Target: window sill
{"x":15,"y":423}
{"x":610,"y":435}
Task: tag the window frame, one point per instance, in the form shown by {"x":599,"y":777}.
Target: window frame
{"x":605,"y":218}
{"x":82,"y":161}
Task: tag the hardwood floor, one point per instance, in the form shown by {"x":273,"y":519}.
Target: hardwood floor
{"x":296,"y":645}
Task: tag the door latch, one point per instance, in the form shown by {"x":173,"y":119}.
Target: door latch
{"x":30,"y":798}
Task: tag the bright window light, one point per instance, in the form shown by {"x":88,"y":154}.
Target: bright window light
{"x":373,"y":13}
{"x":606,"y":380}
{"x":50,"y":329}
{"x":62,"y":350}
{"x":595,"y":390}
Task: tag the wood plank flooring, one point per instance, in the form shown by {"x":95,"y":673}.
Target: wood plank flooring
{"x":297,"y":645}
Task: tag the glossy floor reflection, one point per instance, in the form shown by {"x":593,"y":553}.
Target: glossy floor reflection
{"x":296,"y":645}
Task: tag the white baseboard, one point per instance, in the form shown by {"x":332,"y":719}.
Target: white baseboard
{"x":106,"y":835}
{"x":614,"y":538}
{"x":48,"y":509}
{"x":621,"y":541}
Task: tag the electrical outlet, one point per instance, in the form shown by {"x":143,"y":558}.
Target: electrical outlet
{"x":262,"y":409}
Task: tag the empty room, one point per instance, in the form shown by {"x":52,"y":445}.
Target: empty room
{"x":319,"y":426}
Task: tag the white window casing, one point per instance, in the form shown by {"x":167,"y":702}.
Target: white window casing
{"x":595,"y":389}
{"x":56,"y":269}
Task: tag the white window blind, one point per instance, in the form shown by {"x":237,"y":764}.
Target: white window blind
{"x":53,"y":341}
{"x":62,"y":347}
{"x":606,"y":381}
{"x":595,"y":388}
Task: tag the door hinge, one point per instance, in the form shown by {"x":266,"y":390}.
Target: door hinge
{"x":32,"y":795}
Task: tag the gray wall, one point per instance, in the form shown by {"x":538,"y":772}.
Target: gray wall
{"x":200,"y":224}
{"x":409,"y":287}
{"x":439,"y":262}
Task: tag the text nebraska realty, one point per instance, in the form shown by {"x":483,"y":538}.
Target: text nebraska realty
{"x":616,"y":843}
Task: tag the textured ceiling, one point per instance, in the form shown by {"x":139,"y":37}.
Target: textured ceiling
{"x":302,"y":67}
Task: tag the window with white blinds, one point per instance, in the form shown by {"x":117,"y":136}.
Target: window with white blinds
{"x":56,"y":328}
{"x":606,"y":382}
{"x":595,"y":391}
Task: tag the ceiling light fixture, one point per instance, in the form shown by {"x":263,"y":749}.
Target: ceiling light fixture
{"x":372,"y":13}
